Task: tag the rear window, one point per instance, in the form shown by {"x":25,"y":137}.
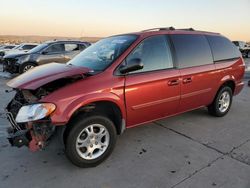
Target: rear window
{"x":222,"y":48}
{"x":192,"y":50}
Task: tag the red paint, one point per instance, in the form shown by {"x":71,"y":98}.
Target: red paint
{"x":44,"y":74}
{"x":141,"y":97}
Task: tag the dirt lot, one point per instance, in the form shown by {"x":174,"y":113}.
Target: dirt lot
{"x":189,"y":150}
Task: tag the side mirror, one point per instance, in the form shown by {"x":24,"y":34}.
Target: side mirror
{"x":132,"y":65}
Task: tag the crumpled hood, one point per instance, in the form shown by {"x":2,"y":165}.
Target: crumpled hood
{"x":14,"y":54}
{"x":44,"y":74}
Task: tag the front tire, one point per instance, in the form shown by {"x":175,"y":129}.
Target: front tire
{"x":26,"y":67}
{"x":222,"y":102}
{"x":90,"y":141}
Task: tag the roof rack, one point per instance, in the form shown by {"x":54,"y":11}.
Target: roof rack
{"x":187,"y":29}
{"x":168,"y":28}
{"x":159,"y":29}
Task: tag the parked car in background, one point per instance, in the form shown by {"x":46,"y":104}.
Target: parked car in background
{"x":243,"y":47}
{"x":121,"y":82}
{"x":9,"y":46}
{"x":6,"y":48}
{"x":51,"y":51}
{"x":1,"y":46}
{"x":25,"y":47}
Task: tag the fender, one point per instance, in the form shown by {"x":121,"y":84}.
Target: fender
{"x":62,"y":118}
{"x":35,"y":62}
{"x":225,"y":79}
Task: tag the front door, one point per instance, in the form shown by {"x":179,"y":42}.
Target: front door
{"x":154,"y":91}
{"x":54,"y":53}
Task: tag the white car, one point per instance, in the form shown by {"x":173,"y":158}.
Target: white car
{"x":4,"y":49}
{"x":24,"y":47}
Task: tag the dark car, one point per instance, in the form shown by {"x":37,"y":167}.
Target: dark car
{"x":24,"y":47}
{"x":121,"y":82}
{"x":51,"y":51}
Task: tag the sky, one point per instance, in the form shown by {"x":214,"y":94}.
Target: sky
{"x":100,"y":18}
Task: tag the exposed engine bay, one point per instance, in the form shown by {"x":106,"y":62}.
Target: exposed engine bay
{"x":34,"y":134}
{"x":31,"y":134}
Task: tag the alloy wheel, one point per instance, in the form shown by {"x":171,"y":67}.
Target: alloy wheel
{"x":92,"y":141}
{"x":27,"y":67}
{"x":224,"y":101}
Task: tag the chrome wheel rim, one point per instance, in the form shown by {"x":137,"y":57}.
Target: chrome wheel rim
{"x":224,"y":101}
{"x":27,"y":67}
{"x":92,"y":141}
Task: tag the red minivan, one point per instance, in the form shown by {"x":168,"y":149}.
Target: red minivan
{"x":121,"y":82}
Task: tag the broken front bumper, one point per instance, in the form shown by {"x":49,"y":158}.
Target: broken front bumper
{"x":10,"y":66}
{"x":33,"y":134}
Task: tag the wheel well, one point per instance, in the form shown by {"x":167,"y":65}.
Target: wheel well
{"x":33,"y":62}
{"x":21,"y":66}
{"x":105,"y":108}
{"x":230,"y":84}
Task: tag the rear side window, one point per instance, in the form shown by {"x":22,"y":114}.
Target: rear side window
{"x":222,"y":48}
{"x":192,"y":50}
{"x":154,"y":53}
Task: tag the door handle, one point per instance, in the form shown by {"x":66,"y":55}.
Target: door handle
{"x":187,"y":80}
{"x":173,"y":82}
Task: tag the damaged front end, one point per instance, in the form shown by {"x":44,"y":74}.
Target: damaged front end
{"x":30,"y":120}
{"x":33,"y":134}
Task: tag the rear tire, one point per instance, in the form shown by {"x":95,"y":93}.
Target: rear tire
{"x":90,"y":141}
{"x":26,"y":67}
{"x":222,"y":102}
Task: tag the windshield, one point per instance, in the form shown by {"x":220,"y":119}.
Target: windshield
{"x":38,"y":48}
{"x":103,"y":53}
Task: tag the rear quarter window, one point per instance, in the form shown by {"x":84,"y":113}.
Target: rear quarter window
{"x":191,"y":50}
{"x":222,"y":48}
